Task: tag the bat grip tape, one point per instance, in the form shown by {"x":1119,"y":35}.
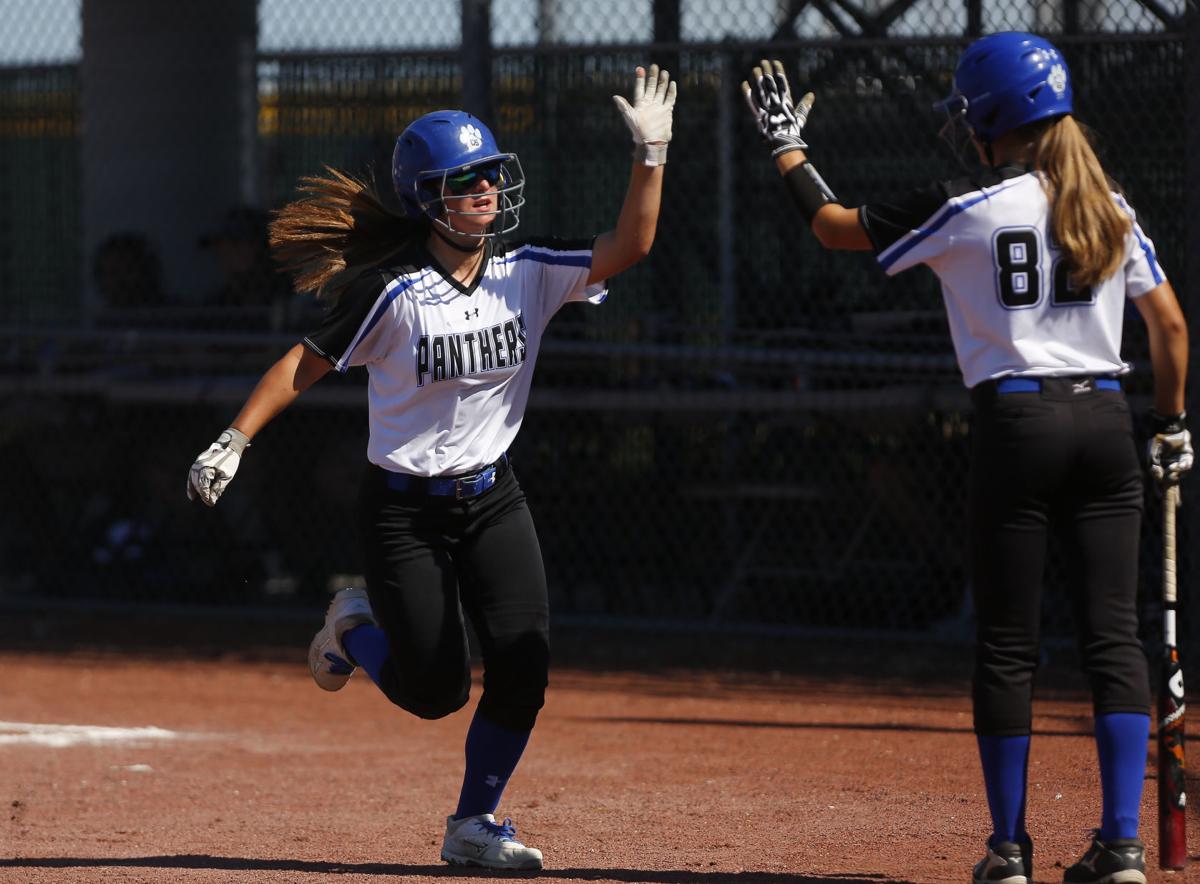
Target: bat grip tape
{"x":808,"y":189}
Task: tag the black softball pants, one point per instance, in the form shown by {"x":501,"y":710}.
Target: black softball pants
{"x":1065,"y":460}
{"x":430,"y":560}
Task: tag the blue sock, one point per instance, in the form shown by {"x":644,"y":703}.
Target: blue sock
{"x":1005,"y":763}
{"x":368,"y":646}
{"x":1121,"y":739}
{"x":492,"y":756}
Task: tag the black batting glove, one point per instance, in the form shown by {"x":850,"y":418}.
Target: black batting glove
{"x":1169,"y":449}
{"x":778,"y":119}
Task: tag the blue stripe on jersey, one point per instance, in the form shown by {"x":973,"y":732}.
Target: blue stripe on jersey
{"x":547,"y":257}
{"x":936,"y":223}
{"x":390,"y":295}
{"x":1147,"y":249}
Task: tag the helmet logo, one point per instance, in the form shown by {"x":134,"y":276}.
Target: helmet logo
{"x":472,"y":138}
{"x":1057,"y":79}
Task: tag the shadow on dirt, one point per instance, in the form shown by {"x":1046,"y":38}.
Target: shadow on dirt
{"x":246,"y":864}
{"x":1083,"y":731}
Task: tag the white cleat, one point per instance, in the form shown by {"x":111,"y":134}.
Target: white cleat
{"x":481,"y":841}
{"x":327,"y":660}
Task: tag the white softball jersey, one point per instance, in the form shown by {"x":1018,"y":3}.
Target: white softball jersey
{"x":450,"y":365}
{"x":1011,"y":306}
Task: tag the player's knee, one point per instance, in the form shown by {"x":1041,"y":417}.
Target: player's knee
{"x":435,"y":708}
{"x":430,"y":700}
{"x":515,"y":679}
{"x":514,"y":713}
{"x":1119,"y":677}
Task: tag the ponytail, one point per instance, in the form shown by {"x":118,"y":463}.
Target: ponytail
{"x":1087,"y":224}
{"x":338,"y":230}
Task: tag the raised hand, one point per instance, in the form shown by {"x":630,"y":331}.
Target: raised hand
{"x":779,"y":120}
{"x":649,"y":117}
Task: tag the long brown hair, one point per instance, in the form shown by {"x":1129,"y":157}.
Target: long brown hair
{"x":338,"y":229}
{"x":1087,"y":224}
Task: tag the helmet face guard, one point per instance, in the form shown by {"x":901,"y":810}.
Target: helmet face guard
{"x":504,"y":172}
{"x":442,"y":156}
{"x":1006,"y":80}
{"x":955,"y":131}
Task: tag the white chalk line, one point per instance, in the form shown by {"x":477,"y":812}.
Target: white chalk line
{"x":61,"y":736}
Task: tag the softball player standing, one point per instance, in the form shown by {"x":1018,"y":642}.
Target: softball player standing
{"x":448,"y":318}
{"x":1036,"y":256}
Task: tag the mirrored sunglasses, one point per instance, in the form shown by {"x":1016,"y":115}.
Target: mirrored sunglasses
{"x":465,"y":182}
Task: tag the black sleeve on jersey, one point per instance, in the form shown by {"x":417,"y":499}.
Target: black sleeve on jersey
{"x":887,"y":222}
{"x":345,"y":317}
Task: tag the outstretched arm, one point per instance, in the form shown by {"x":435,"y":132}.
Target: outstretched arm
{"x":282,"y":384}
{"x":649,"y":121}
{"x":294,"y":373}
{"x":834,"y":225}
{"x":781,"y":122}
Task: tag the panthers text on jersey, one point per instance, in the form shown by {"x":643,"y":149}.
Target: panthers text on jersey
{"x":449,"y":364}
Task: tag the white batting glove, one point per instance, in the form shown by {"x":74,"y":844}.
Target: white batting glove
{"x":215,"y":467}
{"x":649,"y":117}
{"x":1170,"y":449}
{"x":779,"y":121}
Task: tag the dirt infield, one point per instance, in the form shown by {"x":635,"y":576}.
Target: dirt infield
{"x":669,"y":776}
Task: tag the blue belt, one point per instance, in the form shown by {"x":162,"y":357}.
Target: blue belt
{"x":458,"y":487}
{"x":1034,"y":385}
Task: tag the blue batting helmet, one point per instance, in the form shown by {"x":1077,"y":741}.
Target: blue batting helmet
{"x":1007,"y":80}
{"x":442,"y":145}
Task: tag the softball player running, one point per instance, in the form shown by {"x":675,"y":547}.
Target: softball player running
{"x":1036,"y":256}
{"x":448,"y":317}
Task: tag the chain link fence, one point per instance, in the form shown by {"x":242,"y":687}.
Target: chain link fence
{"x":751,"y":431}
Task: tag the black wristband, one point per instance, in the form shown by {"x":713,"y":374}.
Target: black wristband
{"x":1164,"y":425}
{"x":808,"y":189}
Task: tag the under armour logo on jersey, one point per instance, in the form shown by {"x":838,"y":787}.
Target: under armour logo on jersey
{"x":467,"y":313}
{"x":493,"y":781}
{"x":471,"y":137}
